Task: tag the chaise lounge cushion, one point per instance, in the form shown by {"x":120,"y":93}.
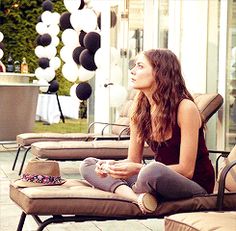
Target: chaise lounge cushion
{"x":204,"y":221}
{"x":79,"y":150}
{"x":79,"y":198}
{"x":26,"y":139}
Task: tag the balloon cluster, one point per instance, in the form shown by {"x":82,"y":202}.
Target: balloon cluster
{"x":1,"y":45}
{"x":46,"y":51}
{"x":81,"y":41}
{"x":82,"y":54}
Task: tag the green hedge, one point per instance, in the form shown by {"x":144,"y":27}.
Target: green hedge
{"x":18,"y":26}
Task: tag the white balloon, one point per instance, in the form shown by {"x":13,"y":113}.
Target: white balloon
{"x":115,"y":74}
{"x":40,"y":51}
{"x":73,"y":92}
{"x":46,"y":17}
{"x":66,"y":54}
{"x":1,"y":36}
{"x":41,"y":28}
{"x":53,"y":29}
{"x":50,"y":74}
{"x":118,"y":95}
{"x":85,"y":75}
{"x":55,"y":41}
{"x":70,"y":38}
{"x":87,"y":20}
{"x":98,"y":58}
{"x":55,"y":18}
{"x":70,"y":71}
{"x":39,"y":73}
{"x":51,"y":51}
{"x":1,"y":53}
{"x":114,"y":56}
{"x":55,"y":63}
{"x":96,"y":5}
{"x":72,"y":5}
{"x":75,"y":20}
{"x":43,"y":88}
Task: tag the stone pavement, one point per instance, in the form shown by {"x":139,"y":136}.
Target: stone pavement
{"x":10,"y":213}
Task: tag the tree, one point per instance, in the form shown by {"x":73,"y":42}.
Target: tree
{"x":17,"y":22}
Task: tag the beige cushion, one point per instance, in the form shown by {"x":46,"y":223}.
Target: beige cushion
{"x":79,"y":150}
{"x":26,"y":139}
{"x":230,"y":183}
{"x":77,"y":197}
{"x":201,"y":221}
{"x":208,"y":104}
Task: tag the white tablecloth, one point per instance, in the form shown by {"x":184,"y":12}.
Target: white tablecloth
{"x":48,"y":110}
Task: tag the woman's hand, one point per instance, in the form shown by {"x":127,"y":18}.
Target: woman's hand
{"x":102,"y":167}
{"x":123,"y":170}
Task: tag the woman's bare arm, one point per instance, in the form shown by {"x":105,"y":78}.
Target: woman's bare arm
{"x":189,"y":121}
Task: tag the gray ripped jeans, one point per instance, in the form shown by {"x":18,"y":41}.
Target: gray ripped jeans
{"x":155,"y":178}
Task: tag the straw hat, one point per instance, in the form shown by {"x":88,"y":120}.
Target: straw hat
{"x":40,"y":173}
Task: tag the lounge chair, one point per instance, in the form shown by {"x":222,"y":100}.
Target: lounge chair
{"x":208,"y":104}
{"x":77,"y":201}
{"x":224,"y":221}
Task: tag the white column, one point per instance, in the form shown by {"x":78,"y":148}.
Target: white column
{"x":193,"y":47}
{"x":212,"y":69}
{"x":151,"y":28}
{"x":101,"y":107}
{"x":174,"y":26}
{"x":222,"y":69}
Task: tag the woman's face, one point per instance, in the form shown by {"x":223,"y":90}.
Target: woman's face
{"x":142,"y":77}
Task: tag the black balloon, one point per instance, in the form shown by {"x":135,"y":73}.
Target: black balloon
{"x":81,"y":37}
{"x":83,"y":91}
{"x":81,"y":5}
{"x":38,"y":40}
{"x":65,"y":21}
{"x":76,"y":54}
{"x":44,"y":62}
{"x":87,"y":60}
{"x":53,"y":87}
{"x":113,"y":19}
{"x":47,"y":5}
{"x":92,"y":41}
{"x":45,"y":39}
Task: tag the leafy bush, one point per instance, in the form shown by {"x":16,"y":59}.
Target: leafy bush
{"x":17,"y":23}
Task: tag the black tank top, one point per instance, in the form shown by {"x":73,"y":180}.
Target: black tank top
{"x":168,"y":153}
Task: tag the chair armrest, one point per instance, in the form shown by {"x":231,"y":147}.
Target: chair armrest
{"x":223,"y":154}
{"x":220,"y":195}
{"x":104,"y":137}
{"x":106,"y":125}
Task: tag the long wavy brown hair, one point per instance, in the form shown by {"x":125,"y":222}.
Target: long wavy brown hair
{"x":169,"y":90}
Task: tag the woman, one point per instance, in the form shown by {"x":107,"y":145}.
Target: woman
{"x":165,"y":116}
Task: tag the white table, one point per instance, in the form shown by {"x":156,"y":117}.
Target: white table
{"x":48,"y":110}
